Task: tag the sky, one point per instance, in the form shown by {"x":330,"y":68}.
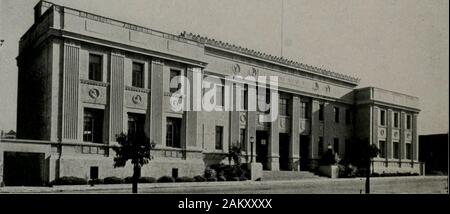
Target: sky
{"x":399,"y":45}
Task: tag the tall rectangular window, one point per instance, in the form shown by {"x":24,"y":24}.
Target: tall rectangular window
{"x":408,"y":151}
{"x":320,"y":146}
{"x":347,"y":147}
{"x":219,"y":137}
{"x":283,"y":106}
{"x":95,"y":67}
{"x":348,"y":116}
{"x":220,"y":94}
{"x":136,"y":123}
{"x":336,"y":114}
{"x":336,"y":145}
{"x":382,"y":117}
{"x":321,"y":108}
{"x":173,"y":74}
{"x":396,"y":150}
{"x":382,"y":148}
{"x":93,"y":125}
{"x":242,"y":139}
{"x":304,"y":109}
{"x":244,"y":99}
{"x":408,"y":121}
{"x":138,"y":75}
{"x":173,"y":127}
{"x":395,"y":120}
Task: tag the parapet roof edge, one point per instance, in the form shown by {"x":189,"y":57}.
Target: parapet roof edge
{"x":265,"y":56}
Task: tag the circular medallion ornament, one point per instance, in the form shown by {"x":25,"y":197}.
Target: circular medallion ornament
{"x":94,"y":93}
{"x":316,"y":86}
{"x":395,"y":134}
{"x":236,"y":69}
{"x":137,"y":99}
{"x":243,"y":118}
{"x":382,"y":132}
{"x":253,"y":72}
{"x":282,"y":124}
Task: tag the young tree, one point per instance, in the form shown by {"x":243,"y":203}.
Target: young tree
{"x":135,"y":147}
{"x":362,"y":155}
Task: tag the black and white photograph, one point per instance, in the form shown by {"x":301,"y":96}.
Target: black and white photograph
{"x":224,"y":97}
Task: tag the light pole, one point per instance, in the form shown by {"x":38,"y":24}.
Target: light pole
{"x":252,"y":141}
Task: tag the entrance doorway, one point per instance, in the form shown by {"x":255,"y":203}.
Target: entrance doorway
{"x":262,"y":148}
{"x":284,"y":142}
{"x":304,"y":152}
{"x":23,"y":169}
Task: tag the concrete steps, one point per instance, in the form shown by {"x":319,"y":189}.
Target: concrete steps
{"x":288,"y":175}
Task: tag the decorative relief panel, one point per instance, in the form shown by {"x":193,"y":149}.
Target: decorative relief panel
{"x":242,"y":118}
{"x":408,"y":135}
{"x":261,"y":125}
{"x":93,"y":93}
{"x":284,"y":123}
{"x":395,"y":134}
{"x":381,"y":132}
{"x":304,"y":126}
{"x":134,"y":99}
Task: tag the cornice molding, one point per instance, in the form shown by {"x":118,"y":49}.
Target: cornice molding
{"x":261,"y":55}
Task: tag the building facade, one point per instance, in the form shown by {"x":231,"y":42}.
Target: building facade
{"x":84,"y":78}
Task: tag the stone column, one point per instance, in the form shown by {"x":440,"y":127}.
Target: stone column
{"x":402,"y":120}
{"x":375,"y":126}
{"x":314,"y":136}
{"x":234,"y":117}
{"x":156,"y":102}
{"x":415,"y":144}
{"x":274,"y":143}
{"x":190,"y":118}
{"x":294,"y":144}
{"x":328,"y":123}
{"x":389,"y":143}
{"x":70,"y":105}
{"x":116,"y":96}
{"x":251,"y":132}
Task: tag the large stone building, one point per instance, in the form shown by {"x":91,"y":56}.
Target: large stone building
{"x":84,"y":78}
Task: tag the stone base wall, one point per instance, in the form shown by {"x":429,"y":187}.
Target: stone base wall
{"x":73,"y":162}
{"x":381,"y":167}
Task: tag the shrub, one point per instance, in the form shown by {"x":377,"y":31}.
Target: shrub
{"x":210,"y":173}
{"x":128,"y":180}
{"x":113,"y":180}
{"x":199,"y":178}
{"x":243,"y":178}
{"x":347,"y":171}
{"x":233,"y":179}
{"x":211,"y":179}
{"x":219,"y":168}
{"x":69,"y":180}
{"x":95,"y":181}
{"x":166,"y":179}
{"x":375,"y":174}
{"x":147,"y":180}
{"x":184,"y":179}
{"x":221,"y":178}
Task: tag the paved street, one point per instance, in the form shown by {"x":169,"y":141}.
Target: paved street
{"x":388,"y":185}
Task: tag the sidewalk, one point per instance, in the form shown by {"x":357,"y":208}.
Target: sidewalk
{"x":337,"y":181}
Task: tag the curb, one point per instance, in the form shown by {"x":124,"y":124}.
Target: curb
{"x":61,"y":189}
